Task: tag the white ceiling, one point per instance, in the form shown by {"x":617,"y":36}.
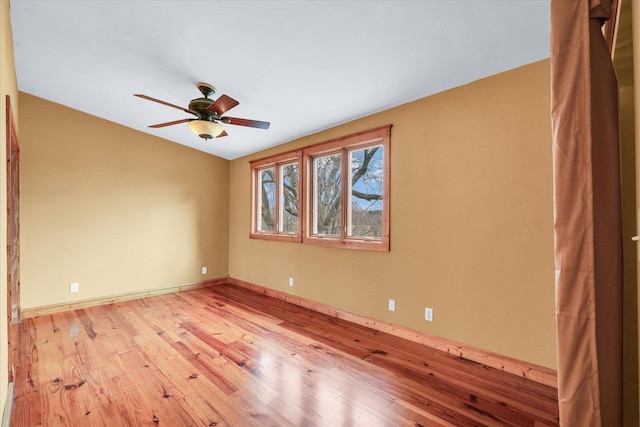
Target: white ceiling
{"x":304,"y":66}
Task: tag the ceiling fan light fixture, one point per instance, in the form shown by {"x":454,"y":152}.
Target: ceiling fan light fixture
{"x":208,"y":114}
{"x":206,"y":129}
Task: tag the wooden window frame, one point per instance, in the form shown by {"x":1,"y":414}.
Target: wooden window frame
{"x":304,"y":157}
{"x":379,"y":136}
{"x":275,"y":162}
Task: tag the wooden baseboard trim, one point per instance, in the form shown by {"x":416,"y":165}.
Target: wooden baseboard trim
{"x":533,"y":372}
{"x":8,"y":406}
{"x":75,"y":305}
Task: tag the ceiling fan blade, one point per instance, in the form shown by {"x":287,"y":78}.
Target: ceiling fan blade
{"x":175,"y":122}
{"x":186,"y":110}
{"x":222,"y":105}
{"x":224,"y":133}
{"x":245,"y":122}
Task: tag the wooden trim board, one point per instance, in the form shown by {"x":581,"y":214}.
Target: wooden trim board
{"x":8,"y":406}
{"x":75,"y":305}
{"x":533,"y":372}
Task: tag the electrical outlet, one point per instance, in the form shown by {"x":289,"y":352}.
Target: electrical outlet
{"x":204,"y":270}
{"x":392,"y":305}
{"x":74,"y":287}
{"x":428,"y":314}
{"x":290,"y":281}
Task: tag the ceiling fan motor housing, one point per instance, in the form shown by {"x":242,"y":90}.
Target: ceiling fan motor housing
{"x":200,"y":105}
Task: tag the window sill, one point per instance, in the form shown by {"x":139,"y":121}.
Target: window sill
{"x":294,"y":238}
{"x":359,"y":244}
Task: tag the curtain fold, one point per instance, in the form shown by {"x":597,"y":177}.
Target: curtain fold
{"x":587,"y":216}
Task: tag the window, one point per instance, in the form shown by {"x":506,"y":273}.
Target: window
{"x":266,"y":200}
{"x":327,"y":195}
{"x":335,"y":193}
{"x":276,"y":195}
{"x":364,"y":214}
{"x":348,"y":191}
{"x":289,"y":191}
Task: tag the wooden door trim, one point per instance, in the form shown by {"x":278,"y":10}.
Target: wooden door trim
{"x":13,"y":232}
{"x":13,"y":194}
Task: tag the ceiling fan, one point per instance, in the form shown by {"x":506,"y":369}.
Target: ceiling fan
{"x":209,"y":114}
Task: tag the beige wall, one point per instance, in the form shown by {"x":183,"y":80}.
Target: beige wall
{"x":114,"y":209}
{"x":471,"y":222}
{"x":8,"y":86}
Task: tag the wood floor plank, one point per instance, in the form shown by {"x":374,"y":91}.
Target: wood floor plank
{"x":27,"y":405}
{"x":226,"y":356}
{"x":352,"y":340}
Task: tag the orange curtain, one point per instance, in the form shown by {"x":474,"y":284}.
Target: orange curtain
{"x":587,"y":216}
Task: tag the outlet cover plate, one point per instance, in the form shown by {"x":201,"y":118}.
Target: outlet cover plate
{"x":74,"y":287}
{"x":392,"y":305}
{"x":428,"y":314}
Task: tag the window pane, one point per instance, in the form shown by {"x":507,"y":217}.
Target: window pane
{"x":289,"y":176}
{"x":266,"y":200}
{"x":364,"y":216}
{"x":326,"y":194}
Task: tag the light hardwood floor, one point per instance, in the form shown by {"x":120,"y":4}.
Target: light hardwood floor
{"x":225,"y":356}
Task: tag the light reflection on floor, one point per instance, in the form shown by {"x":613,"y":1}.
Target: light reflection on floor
{"x":326,"y":396}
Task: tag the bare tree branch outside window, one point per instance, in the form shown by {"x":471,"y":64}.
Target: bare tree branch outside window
{"x":327,"y":194}
{"x":365,"y":215}
{"x":267,"y":199}
{"x":289,"y":176}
